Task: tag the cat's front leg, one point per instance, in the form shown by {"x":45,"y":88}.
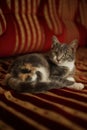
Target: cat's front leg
{"x":60,"y":71}
{"x":76,"y":86}
{"x":71,"y":79}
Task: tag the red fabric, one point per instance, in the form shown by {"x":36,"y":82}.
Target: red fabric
{"x":2,"y":23}
{"x":82,"y":34}
{"x":28,"y":26}
{"x":7,"y":41}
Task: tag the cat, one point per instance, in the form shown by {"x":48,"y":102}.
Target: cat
{"x":37,"y":72}
{"x":64,"y":56}
{"x":31,"y":73}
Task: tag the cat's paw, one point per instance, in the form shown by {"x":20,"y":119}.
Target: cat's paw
{"x":77,"y":86}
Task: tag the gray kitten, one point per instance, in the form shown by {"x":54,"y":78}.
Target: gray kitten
{"x":36,"y":72}
{"x":64,"y":55}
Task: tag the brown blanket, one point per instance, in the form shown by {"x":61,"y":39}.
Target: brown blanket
{"x":56,"y":109}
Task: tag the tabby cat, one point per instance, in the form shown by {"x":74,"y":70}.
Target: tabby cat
{"x":63,"y":56}
{"x":37,"y":72}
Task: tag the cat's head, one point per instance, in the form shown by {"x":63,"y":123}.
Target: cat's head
{"x":25,"y":72}
{"x":62,"y":52}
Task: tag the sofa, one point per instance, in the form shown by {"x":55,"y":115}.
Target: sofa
{"x":27,"y":26}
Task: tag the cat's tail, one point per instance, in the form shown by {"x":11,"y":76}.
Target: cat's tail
{"x":39,"y":87}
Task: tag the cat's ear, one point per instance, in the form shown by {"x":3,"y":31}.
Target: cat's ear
{"x":74,"y":44}
{"x":55,"y":42}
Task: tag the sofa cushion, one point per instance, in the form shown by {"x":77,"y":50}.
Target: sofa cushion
{"x":29,"y":26}
{"x":2,"y":23}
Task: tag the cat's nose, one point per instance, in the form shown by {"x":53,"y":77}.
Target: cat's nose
{"x":58,"y":60}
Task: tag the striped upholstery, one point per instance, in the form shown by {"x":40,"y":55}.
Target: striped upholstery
{"x":28,"y":26}
{"x":2,"y":23}
{"x":68,"y":15}
{"x":24,"y":27}
{"x":56,"y":109}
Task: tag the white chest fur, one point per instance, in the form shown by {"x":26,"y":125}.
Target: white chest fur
{"x":44,"y":72}
{"x":70,"y":65}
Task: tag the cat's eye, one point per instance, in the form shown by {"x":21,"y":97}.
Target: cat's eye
{"x":63,"y":56}
{"x":68,"y":56}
